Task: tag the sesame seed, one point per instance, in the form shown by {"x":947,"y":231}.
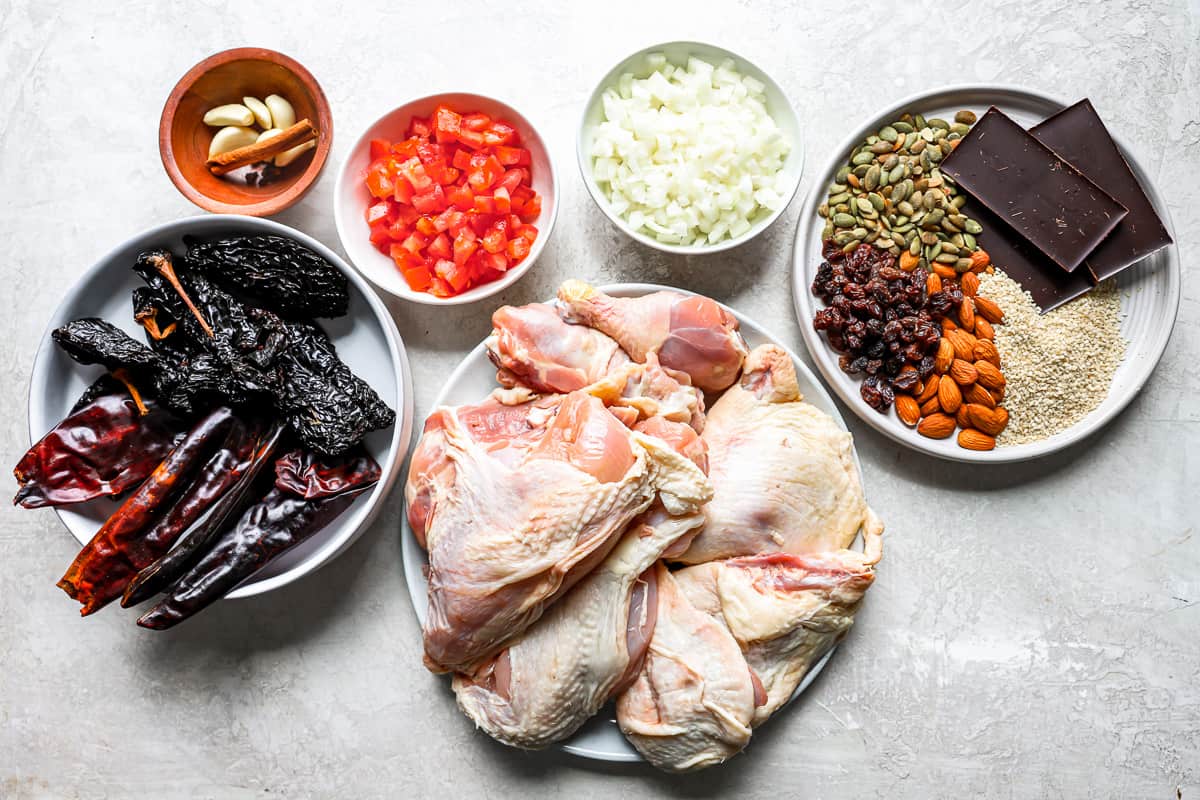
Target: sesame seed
{"x":1058,"y":365}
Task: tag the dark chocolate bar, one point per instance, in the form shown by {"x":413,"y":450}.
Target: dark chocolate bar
{"x":1049,"y":202}
{"x":1078,"y":134}
{"x":1049,"y":286}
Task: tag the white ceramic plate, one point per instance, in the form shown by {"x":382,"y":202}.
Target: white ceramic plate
{"x":677,"y":54}
{"x":366,"y":338}
{"x":471,"y":382}
{"x":351,"y":198}
{"x":1149,"y":291}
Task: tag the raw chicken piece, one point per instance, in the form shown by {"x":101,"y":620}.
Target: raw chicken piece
{"x":585,"y":647}
{"x":691,"y":334}
{"x":785,"y":611}
{"x":532,"y":346}
{"x":783,"y":473}
{"x":653,"y":392}
{"x":503,"y":429}
{"x":693,"y":700}
{"x":511,"y":524}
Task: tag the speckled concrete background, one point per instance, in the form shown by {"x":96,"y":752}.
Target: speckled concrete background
{"x":1035,"y":631}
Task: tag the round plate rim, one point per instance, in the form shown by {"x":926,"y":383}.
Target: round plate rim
{"x":402,"y":429}
{"x":803,"y":306}
{"x":409,"y":550}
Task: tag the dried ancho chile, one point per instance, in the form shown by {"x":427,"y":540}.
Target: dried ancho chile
{"x":880,"y":319}
{"x":281,"y":520}
{"x":274,"y":271}
{"x":105,"y":447}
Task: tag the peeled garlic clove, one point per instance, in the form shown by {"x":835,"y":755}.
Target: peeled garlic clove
{"x":231,"y":138}
{"x":282,"y":113}
{"x":267,"y":134}
{"x":262,"y":114}
{"x":232,"y":114}
{"x":288,"y":156}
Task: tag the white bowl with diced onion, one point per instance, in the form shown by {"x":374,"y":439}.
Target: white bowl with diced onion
{"x":689,"y":148}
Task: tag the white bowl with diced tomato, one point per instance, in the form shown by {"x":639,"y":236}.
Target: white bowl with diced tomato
{"x":447,"y":199}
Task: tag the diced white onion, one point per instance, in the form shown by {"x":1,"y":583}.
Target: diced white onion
{"x":689,"y":154}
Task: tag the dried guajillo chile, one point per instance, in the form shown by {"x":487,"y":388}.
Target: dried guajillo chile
{"x":280,"y":521}
{"x":198,"y":517}
{"x":103,"y":448}
{"x":278,"y":272}
{"x":97,"y":576}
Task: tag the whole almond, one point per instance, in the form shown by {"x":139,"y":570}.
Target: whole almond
{"x":962,"y":418}
{"x":978,"y":395}
{"x":971,"y":439}
{"x":929,"y":389}
{"x":945,"y":355}
{"x":980,"y":260}
{"x":997,"y":394}
{"x":989,"y":310}
{"x":908,"y":410}
{"x":963,"y":372}
{"x":966,"y":314}
{"x":949,"y":396}
{"x":933,"y":283}
{"x":944,"y":270}
{"x":983,"y":328}
{"x":990,"y":376}
{"x":970,"y":284}
{"x":948,"y":325}
{"x":937,"y":426}
{"x":989,"y":420}
{"x":963,"y":344}
{"x":984,"y":350}
{"x":930,"y":406}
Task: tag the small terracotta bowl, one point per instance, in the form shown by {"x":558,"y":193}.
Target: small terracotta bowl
{"x":227,"y":77}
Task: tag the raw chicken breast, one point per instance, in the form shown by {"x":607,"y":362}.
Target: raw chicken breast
{"x":532,"y":346}
{"x":510,"y":526}
{"x":689,"y":333}
{"x":785,"y":611}
{"x":783,"y":473}
{"x":694,"y":698}
{"x":584,"y":648}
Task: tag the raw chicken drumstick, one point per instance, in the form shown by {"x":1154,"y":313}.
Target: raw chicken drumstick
{"x":783,"y":473}
{"x":689,"y":333}
{"x":532,"y":346}
{"x":508,"y":535}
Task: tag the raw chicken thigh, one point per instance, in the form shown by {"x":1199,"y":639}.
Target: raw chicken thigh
{"x":653,"y":392}
{"x":532,"y":346}
{"x":509,"y":529}
{"x":785,"y":611}
{"x":694,"y":698}
{"x":783,"y":472}
{"x":691,"y":334}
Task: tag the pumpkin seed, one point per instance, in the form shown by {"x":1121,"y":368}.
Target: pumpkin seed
{"x":938,"y":122}
{"x":842,"y":173}
{"x":918,"y":121}
{"x":881,"y":147}
{"x":885,"y":243}
{"x":897,"y":174}
{"x":839,"y":198}
{"x":863,"y":204}
{"x":928,"y":238}
{"x":823,"y":209}
{"x":946,"y":258}
{"x":876,"y":201}
{"x":965,"y":117}
{"x":914,"y":246}
{"x":917,"y":146}
{"x":835,"y":188}
{"x":891,"y":162}
{"x":843,"y":220}
{"x":972,"y":227}
{"x":969,"y":241}
{"x":872,"y":178}
{"x":902,"y":126}
{"x":843,"y":238}
{"x":949,"y":247}
{"x":887,"y":133}
{"x":905,"y":208}
{"x":962,"y":265}
{"x":859,"y":233}
{"x":862,"y":158}
{"x":959,"y":128}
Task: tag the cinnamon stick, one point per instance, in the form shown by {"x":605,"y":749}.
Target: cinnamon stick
{"x":265,"y":150}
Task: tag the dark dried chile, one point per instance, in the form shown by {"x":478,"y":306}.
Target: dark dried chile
{"x":274,"y":271}
{"x":327,"y":405}
{"x":879,"y":319}
{"x":222,"y":492}
{"x":99,"y":572}
{"x":91,"y":340}
{"x":102,"y":448}
{"x":302,"y":474}
{"x":280,"y":521}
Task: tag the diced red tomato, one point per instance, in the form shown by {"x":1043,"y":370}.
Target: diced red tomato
{"x":454,"y":203}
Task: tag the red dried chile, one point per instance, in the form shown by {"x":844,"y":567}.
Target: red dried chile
{"x":880,"y":318}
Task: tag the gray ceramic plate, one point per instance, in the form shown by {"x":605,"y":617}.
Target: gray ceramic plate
{"x":366,"y":339}
{"x":470,"y":382}
{"x":1149,"y":291}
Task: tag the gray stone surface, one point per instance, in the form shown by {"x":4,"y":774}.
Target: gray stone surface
{"x":1034,"y":632}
